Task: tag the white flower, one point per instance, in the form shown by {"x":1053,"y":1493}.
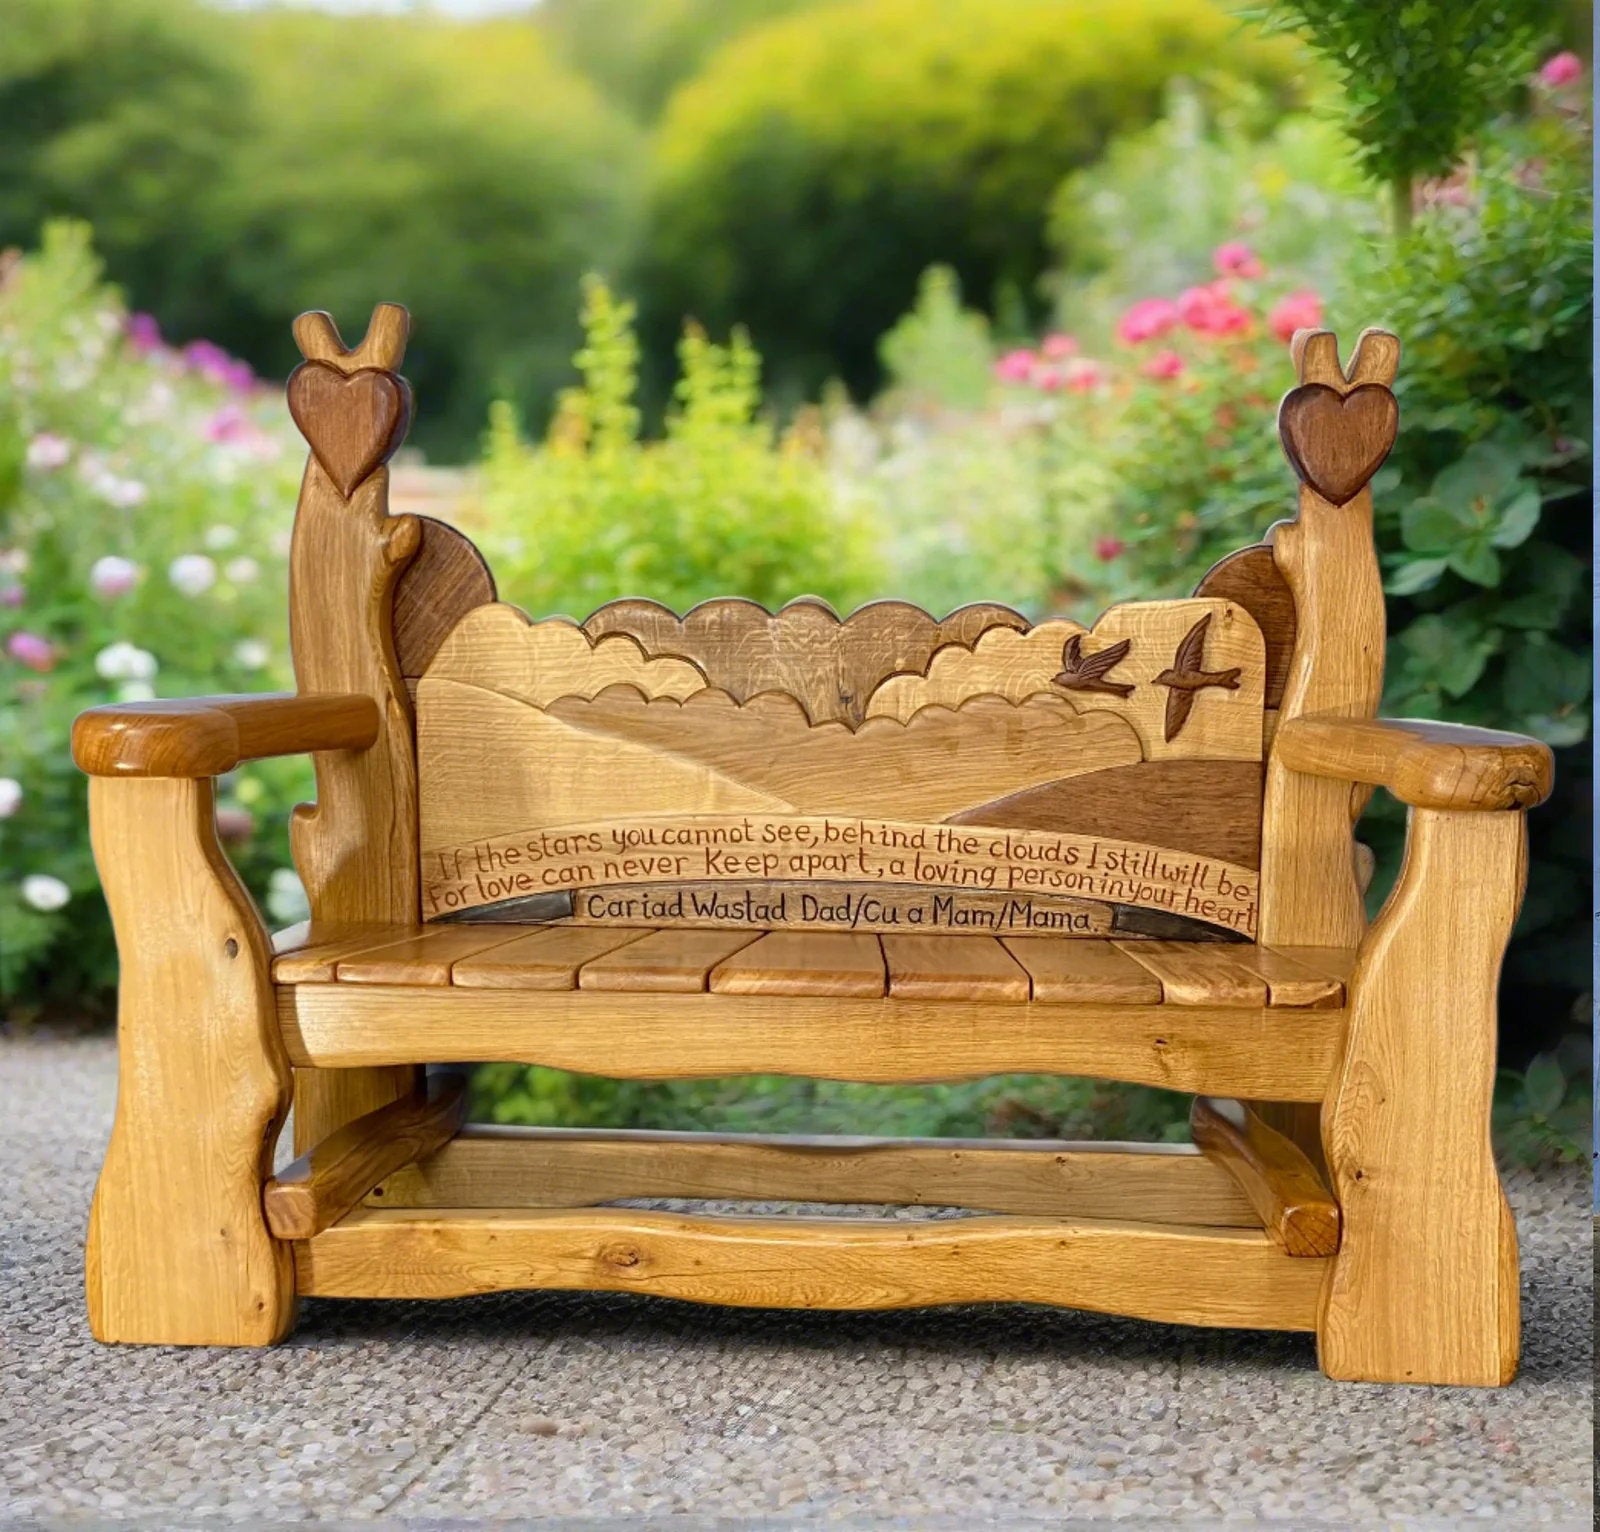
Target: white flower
{"x":123,"y":661}
{"x":113,"y":576}
{"x":220,"y":537}
{"x":135,"y":691}
{"x":13,"y":561}
{"x":43,"y":892}
{"x":242,"y":570}
{"x":10,"y":796}
{"x":251,"y":654}
{"x":47,"y":451}
{"x":286,"y":897}
{"x":117,"y":491}
{"x":193,"y":574}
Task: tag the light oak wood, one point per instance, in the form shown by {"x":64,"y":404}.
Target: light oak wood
{"x":1258,"y":1054}
{"x":426,"y":958}
{"x":1426,"y":765}
{"x":1164,"y":1272}
{"x":1295,"y":1208}
{"x":444,"y":581}
{"x":210,"y":736}
{"x":1309,"y":890}
{"x":1077,"y":972}
{"x":1192,"y":974}
{"x":315,"y":959}
{"x":356,"y":848}
{"x":805,"y":650}
{"x":320,"y":1187}
{"x":1424,"y":1289}
{"x":575,"y":1167}
{"x":1225,"y":723}
{"x":178,"y":1251}
{"x":1251,"y":578}
{"x":678,"y":962}
{"x":953,"y":968}
{"x":325,"y":1100}
{"x":804,"y":963}
{"x":1290,"y":982}
{"x":545,"y":959}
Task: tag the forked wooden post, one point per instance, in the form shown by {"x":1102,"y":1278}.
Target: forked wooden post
{"x":178,"y":1249}
{"x":356,"y":848}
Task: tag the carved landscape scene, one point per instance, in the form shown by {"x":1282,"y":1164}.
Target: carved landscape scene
{"x":886,"y":772}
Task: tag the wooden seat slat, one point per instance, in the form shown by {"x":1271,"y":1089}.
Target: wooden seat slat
{"x":548,"y":958}
{"x":1290,"y":982}
{"x":670,"y":962}
{"x":1065,"y":969}
{"x":425,"y":957}
{"x":309,"y":955}
{"x":1200,"y":973}
{"x":805,"y":963}
{"x":954,"y":968}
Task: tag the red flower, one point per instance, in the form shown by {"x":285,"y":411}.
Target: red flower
{"x":1298,"y":311}
{"x":1015,"y":366}
{"x":1561,"y":69}
{"x":1164,"y":364}
{"x":1108,"y":548}
{"x":1147,"y":319}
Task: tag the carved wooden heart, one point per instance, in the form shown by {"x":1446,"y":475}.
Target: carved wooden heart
{"x":1334,"y":441}
{"x":353,"y":421}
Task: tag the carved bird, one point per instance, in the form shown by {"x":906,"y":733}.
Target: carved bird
{"x":1087,"y":674}
{"x":1186,"y":678}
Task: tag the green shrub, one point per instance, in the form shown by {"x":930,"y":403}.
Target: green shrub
{"x":782,"y":166}
{"x":720,"y":506}
{"x":146,"y":496}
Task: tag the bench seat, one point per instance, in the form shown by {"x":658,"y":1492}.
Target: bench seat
{"x":1001,"y":970}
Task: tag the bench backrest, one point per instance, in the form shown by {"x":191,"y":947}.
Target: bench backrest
{"x":884,"y":772}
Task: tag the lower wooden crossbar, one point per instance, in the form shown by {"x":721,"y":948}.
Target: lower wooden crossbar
{"x":1170,"y":1273}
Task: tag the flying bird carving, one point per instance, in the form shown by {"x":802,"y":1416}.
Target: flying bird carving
{"x":1187,"y":677}
{"x":1081,"y":673}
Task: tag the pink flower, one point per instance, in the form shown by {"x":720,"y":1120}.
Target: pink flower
{"x":113,"y":576}
{"x":31,"y":650}
{"x":229,"y":424}
{"x":1058,"y":347}
{"x":1164,"y":364}
{"x":1145,"y":320}
{"x":1210,"y":310}
{"x":144,"y":334}
{"x":47,"y":451}
{"x":211,"y":361}
{"x":1237,"y":260}
{"x":1015,"y":366}
{"x":1048,"y":378}
{"x":1108,"y":548}
{"x":1560,"y":70}
{"x":1298,"y":311}
{"x":12,"y":594}
{"x":1083,"y":376}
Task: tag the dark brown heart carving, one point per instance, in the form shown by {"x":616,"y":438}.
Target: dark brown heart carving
{"x":353,"y":421}
{"x":1334,"y":441}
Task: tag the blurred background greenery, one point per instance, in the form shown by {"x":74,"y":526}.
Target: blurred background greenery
{"x":945,"y":299}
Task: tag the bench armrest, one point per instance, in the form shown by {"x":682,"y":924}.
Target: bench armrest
{"x":1427,"y":765}
{"x":207,"y":736}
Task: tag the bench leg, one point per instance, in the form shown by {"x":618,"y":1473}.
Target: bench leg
{"x":326,"y":1099}
{"x":1424,"y":1287}
{"x":178,"y":1249}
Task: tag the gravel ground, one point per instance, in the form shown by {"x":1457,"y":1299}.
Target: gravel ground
{"x":607,"y":1410}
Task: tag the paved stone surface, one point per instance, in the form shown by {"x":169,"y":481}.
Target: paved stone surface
{"x":612,"y":1410}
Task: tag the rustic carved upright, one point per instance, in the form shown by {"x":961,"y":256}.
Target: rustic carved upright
{"x":887,"y":847}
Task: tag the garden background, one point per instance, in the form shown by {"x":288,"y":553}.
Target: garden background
{"x":943,"y":299}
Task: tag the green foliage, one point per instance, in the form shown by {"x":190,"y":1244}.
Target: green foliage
{"x":145,"y":500}
{"x":721,"y":505}
{"x":638,"y":54}
{"x":939,"y":352}
{"x":126,"y":113}
{"x":1018,"y":1106}
{"x":781,"y":166}
{"x":1543,"y":1114}
{"x":1420,"y":79}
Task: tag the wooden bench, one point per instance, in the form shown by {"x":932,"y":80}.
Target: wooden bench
{"x":884,"y":848}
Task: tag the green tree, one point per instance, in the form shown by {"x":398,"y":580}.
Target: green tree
{"x":1420,"y":79}
{"x":126,"y":113}
{"x":818,"y":165}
